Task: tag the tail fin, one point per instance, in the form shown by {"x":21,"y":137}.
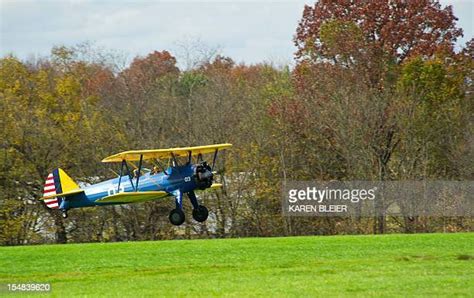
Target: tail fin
{"x":58,"y":183}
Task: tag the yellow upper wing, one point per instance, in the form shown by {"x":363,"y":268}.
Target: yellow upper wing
{"x":134,"y":155}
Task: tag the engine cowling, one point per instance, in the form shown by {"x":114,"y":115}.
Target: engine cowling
{"x":203,"y":175}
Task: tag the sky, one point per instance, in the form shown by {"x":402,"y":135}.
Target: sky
{"x":247,"y":31}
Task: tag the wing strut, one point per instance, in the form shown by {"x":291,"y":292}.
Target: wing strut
{"x":162,"y":167}
{"x":124,"y":163}
{"x":139,"y":171}
{"x":214,"y":159}
{"x":190,"y":157}
{"x":175,"y":161}
{"x":120,"y":176}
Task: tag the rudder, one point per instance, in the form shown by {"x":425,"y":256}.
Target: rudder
{"x":57,"y":182}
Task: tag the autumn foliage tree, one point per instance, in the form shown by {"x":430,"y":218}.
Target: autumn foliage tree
{"x":398,"y":28}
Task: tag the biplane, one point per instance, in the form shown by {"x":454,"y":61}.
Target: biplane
{"x":176,"y":172}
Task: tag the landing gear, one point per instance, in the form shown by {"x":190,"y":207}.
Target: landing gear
{"x":176,"y":217}
{"x":64,"y":213}
{"x":200,"y":213}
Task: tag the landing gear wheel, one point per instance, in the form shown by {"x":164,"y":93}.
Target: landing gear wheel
{"x":64,"y":214}
{"x":176,"y":217}
{"x":200,"y":213}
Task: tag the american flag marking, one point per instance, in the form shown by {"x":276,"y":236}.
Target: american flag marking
{"x":49,"y":190}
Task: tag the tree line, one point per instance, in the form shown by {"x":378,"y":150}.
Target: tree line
{"x":378,"y":92}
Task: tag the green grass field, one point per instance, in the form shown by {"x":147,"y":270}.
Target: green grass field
{"x":389,"y":265}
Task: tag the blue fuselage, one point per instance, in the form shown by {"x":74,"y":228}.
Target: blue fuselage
{"x":178,"y":178}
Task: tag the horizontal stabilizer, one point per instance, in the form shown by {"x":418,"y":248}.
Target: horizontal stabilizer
{"x":63,"y":194}
{"x":133,"y":197}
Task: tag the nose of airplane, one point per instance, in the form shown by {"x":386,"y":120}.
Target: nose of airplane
{"x":204,"y":176}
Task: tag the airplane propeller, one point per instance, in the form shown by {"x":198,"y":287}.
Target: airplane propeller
{"x":204,"y":175}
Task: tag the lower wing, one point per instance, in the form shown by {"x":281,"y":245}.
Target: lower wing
{"x":133,"y":197}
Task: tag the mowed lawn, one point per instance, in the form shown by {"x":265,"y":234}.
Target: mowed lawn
{"x":388,"y":265}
